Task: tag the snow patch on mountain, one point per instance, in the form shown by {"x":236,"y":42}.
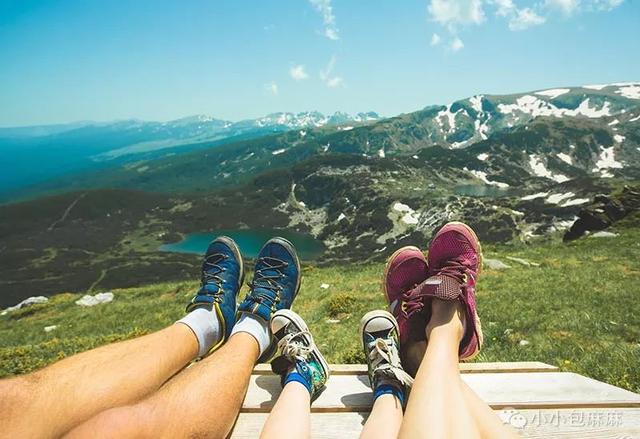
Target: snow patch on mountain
{"x":410,"y":217}
{"x":538,"y":167}
{"x":558,"y":198}
{"x":565,"y":158}
{"x":450,"y":117}
{"x":595,"y":86}
{"x":575,"y":202}
{"x":631,"y":91}
{"x":554,"y":92}
{"x":534,"y":196}
{"x":476,"y":103}
{"x":481,"y":175}
{"x":606,"y":160}
{"x":618,"y":138}
{"x":537,"y":107}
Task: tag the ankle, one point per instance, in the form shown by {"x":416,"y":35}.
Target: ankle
{"x":447,"y":319}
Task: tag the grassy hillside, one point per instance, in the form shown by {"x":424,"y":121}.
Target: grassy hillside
{"x":578,"y":310}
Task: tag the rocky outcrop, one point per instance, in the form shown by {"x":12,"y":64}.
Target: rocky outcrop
{"x":604,"y":211}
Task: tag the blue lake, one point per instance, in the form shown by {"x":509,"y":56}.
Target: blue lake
{"x":250,"y":242}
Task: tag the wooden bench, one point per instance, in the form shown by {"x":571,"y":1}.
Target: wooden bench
{"x":534,"y":397}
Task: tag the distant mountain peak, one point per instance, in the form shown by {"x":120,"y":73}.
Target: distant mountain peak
{"x":313,"y":119}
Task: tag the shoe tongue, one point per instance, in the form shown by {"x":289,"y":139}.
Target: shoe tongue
{"x":281,"y":365}
{"x":441,"y":287}
{"x":209,"y":288}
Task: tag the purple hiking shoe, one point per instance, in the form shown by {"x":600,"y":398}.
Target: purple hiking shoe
{"x":455,"y":261}
{"x":406,"y":268}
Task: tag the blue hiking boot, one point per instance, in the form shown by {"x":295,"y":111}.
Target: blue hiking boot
{"x":299,"y":359}
{"x":276,"y":281}
{"x":222,"y":277}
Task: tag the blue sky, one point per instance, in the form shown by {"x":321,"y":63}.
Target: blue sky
{"x":64,"y":61}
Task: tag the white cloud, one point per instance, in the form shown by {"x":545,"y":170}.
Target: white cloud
{"x":606,"y":5}
{"x":328,"y":77}
{"x":456,"y":44}
{"x":524,"y":19}
{"x":504,"y":7}
{"x":331,"y":33}
{"x":326,"y":10}
{"x":567,"y":7}
{"x":453,"y":15}
{"x":453,"y":12}
{"x":271,"y":88}
{"x":298,"y":72}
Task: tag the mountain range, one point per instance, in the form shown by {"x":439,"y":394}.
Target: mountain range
{"x":89,"y":146}
{"x":516,"y":167}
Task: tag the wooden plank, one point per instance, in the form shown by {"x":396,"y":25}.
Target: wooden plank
{"x":548,"y":390}
{"x":504,"y":367}
{"x":351,"y":393}
{"x":546,"y":423}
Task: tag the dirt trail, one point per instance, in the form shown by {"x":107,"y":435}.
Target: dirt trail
{"x":66,"y":212}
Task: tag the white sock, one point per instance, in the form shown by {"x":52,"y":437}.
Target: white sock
{"x":255,"y":326}
{"x":206,"y":327}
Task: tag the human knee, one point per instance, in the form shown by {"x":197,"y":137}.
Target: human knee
{"x":15,"y":395}
{"x":119,"y":421}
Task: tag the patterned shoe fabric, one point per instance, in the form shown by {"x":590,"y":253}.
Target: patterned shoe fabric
{"x":406,"y":268}
{"x":455,"y":262}
{"x":221,"y":279}
{"x":379,"y":332}
{"x":275,"y":284}
{"x":297,"y":353}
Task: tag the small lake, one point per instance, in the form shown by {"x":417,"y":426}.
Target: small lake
{"x":481,"y":190}
{"x":250,"y":242}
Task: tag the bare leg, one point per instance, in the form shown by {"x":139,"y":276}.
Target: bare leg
{"x":290,"y":416}
{"x":203,"y":400}
{"x":490,"y":425}
{"x":469,"y":410}
{"x":385,"y":418}
{"x":437,"y":407}
{"x":49,"y":402}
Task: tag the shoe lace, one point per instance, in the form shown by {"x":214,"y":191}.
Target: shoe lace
{"x":294,"y":347}
{"x":264,"y":281}
{"x":385,"y":361}
{"x":211,"y":273}
{"x":453,"y":268}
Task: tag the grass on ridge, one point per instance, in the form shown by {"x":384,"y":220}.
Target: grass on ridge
{"x":579,"y":311}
